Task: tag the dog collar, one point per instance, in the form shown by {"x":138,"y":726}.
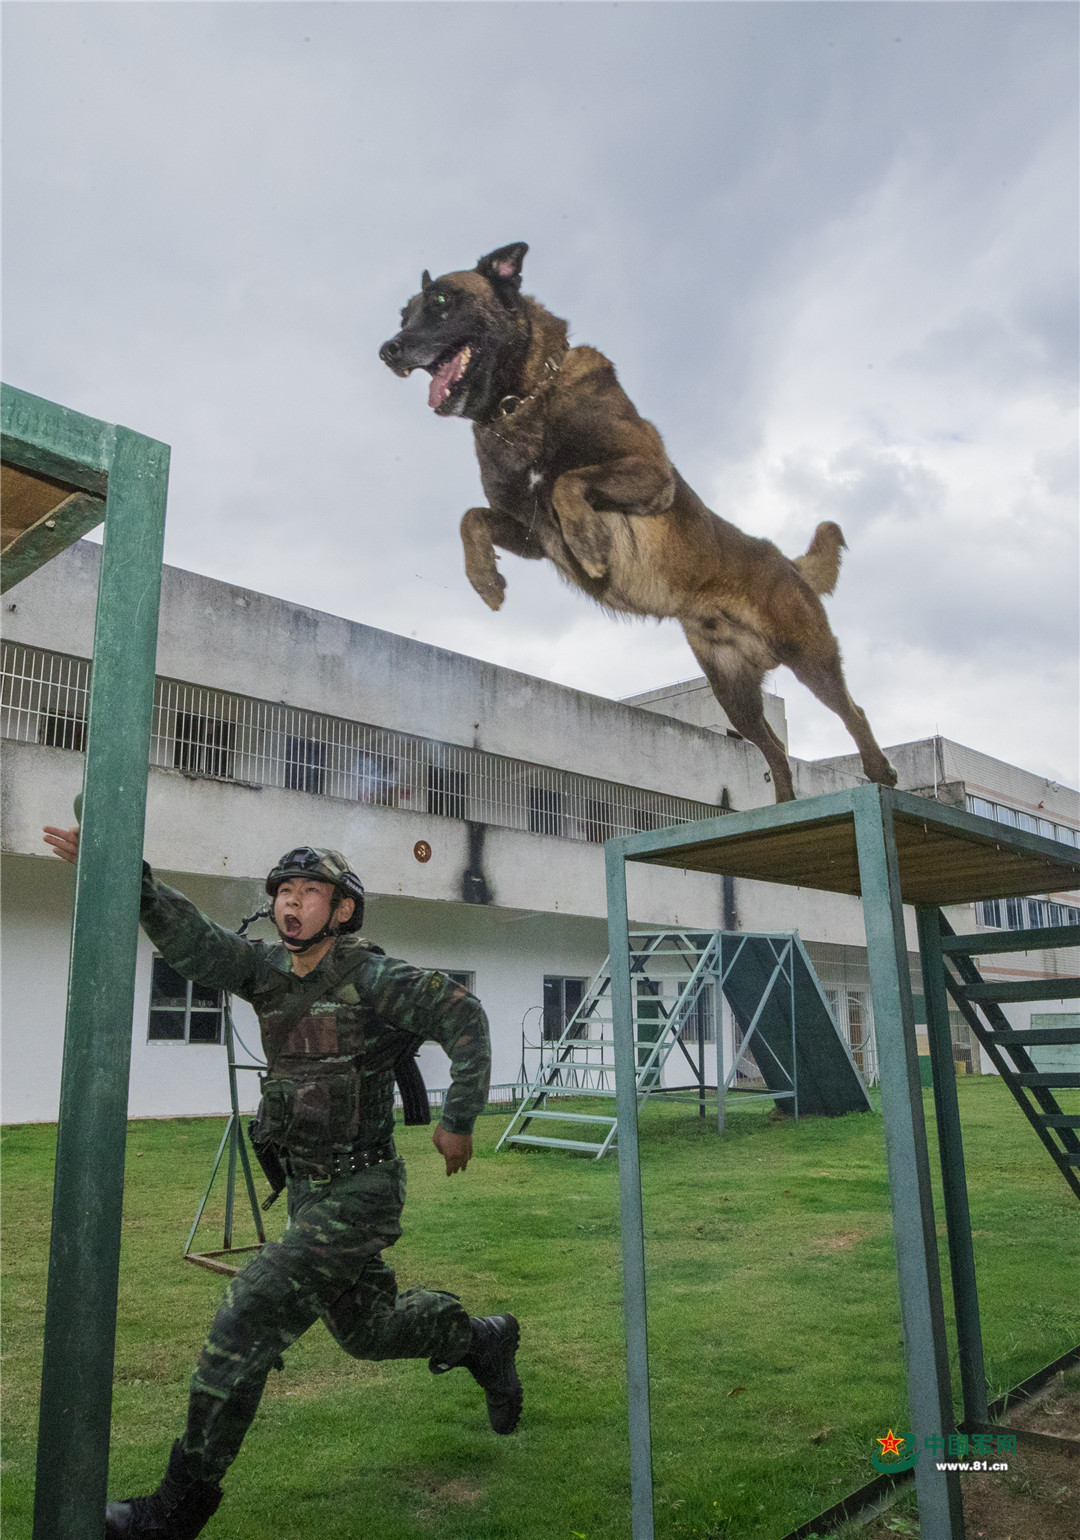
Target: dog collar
{"x":511,"y":404}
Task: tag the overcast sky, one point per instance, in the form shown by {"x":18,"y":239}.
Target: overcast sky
{"x":831,"y":249}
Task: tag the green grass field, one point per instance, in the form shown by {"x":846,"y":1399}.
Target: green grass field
{"x":774,"y":1329}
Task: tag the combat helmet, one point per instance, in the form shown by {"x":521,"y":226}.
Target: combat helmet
{"x":321,"y":866}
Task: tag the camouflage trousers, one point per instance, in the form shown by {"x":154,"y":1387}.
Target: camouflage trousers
{"x":327,"y":1266}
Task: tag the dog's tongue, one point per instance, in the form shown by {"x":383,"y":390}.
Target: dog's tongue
{"x":446,"y":375}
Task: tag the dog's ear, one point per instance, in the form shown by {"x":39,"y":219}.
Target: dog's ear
{"x":425,"y":281}
{"x":503,"y":266}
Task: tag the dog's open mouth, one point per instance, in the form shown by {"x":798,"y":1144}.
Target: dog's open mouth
{"x":447,"y":375}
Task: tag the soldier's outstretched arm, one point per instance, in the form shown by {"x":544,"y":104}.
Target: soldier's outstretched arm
{"x":188,"y":940}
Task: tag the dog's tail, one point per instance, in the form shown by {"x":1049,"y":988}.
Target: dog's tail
{"x":821,"y":565}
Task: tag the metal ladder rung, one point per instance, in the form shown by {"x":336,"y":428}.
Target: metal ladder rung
{"x":574,"y":1117}
{"x":575,"y":1090}
{"x":1069,"y":1080}
{"x":555,"y":1144}
{"x":1038,"y":1035}
{"x":1032,"y":989}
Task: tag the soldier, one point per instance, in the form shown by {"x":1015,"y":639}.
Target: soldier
{"x":332,"y":1010}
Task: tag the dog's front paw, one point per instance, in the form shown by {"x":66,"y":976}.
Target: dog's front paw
{"x":490,"y":586}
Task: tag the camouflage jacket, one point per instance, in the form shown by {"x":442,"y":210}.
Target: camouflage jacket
{"x":337,"y":1042}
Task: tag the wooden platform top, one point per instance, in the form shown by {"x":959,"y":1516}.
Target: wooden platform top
{"x":945,"y":856}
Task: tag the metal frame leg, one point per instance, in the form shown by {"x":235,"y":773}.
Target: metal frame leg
{"x":633,"y":1234}
{"x":84,"y":1254}
{"x":921,"y":1307}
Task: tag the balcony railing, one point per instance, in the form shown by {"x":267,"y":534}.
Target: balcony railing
{"x":215,"y":735}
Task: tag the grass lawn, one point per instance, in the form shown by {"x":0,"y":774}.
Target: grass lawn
{"x":774,"y":1329}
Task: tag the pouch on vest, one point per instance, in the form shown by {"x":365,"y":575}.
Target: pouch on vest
{"x":312,"y":1118}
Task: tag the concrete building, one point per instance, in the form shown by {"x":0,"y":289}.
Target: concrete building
{"x":474,"y":801}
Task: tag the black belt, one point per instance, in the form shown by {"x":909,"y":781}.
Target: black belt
{"x":342,"y":1162}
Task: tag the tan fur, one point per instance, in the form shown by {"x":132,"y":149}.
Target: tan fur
{"x":821,"y":564}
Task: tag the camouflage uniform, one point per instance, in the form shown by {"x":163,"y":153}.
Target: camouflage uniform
{"x":329,"y":1039}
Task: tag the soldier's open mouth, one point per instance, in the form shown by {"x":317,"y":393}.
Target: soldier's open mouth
{"x":291,"y":925}
{"x":446,"y":375}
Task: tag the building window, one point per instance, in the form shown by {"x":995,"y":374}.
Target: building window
{"x":544,"y":809}
{"x":851,"y":1012}
{"x":446,"y":791}
{"x":183,"y":1012}
{"x":561,"y":999}
{"x":1024,"y":913}
{"x":702,"y":1015}
{"x":305,"y":765}
{"x":57,"y":731}
{"x":1011,"y":816}
{"x":596,"y":825}
{"x":377,"y":778}
{"x":460,"y":976}
{"x":203,"y":745}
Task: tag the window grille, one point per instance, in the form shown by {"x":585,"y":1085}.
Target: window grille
{"x":45,"y":697}
{"x":215,"y":735}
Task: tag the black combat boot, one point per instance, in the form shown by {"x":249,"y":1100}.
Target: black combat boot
{"x":490,"y":1361}
{"x":178,"y":1509}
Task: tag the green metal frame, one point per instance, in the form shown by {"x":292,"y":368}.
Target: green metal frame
{"x":80,"y":1314}
{"x":872,"y":810}
{"x":233,"y":1140}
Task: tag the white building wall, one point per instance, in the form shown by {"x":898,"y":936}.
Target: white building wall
{"x":509,"y":953}
{"x":218,"y":838}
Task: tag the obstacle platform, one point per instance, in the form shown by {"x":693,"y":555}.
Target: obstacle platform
{"x":891,"y":849}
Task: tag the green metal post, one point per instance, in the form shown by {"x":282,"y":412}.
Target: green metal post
{"x":80,"y":1314}
{"x":953,"y":1175}
{"x":921,"y":1308}
{"x":633,"y":1231}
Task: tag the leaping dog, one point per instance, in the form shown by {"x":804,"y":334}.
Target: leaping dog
{"x":571,"y":472}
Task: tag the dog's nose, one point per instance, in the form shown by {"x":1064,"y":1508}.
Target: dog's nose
{"x":390,"y":352}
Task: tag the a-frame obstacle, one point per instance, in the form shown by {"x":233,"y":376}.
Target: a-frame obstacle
{"x":891,"y":849}
{"x":786,"y":1031}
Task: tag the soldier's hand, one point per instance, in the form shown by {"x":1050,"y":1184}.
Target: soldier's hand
{"x":65,"y":842}
{"x":455,"y":1149}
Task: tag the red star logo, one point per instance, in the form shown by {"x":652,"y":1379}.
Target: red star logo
{"x":890,"y":1444}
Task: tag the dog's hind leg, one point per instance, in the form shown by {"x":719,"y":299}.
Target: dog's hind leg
{"x":736,"y":682}
{"x":823,"y":673}
{"x":481,"y":531}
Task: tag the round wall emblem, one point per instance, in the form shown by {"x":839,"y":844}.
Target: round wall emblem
{"x":422,"y":850}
